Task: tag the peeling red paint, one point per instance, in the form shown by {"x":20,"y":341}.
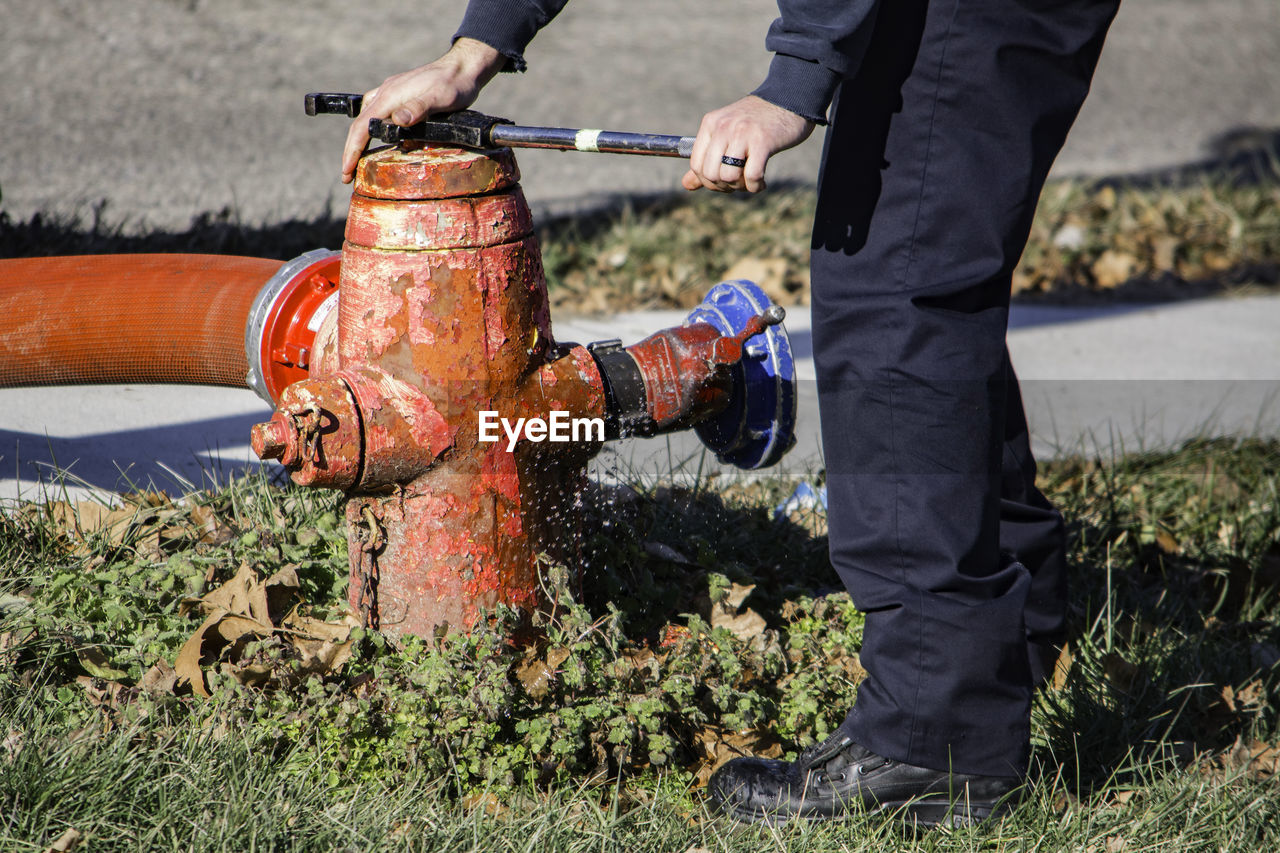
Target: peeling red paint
{"x":443,"y":313}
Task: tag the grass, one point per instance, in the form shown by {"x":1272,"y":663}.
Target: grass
{"x":1159,"y":731}
{"x":1090,"y":240}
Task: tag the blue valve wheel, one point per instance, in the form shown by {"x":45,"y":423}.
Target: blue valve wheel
{"x":758,"y":426}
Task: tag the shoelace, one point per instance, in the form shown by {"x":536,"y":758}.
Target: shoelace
{"x":814,"y":760}
{"x":820,"y":753}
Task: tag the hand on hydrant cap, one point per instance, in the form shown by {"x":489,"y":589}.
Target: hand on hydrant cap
{"x":450,"y":83}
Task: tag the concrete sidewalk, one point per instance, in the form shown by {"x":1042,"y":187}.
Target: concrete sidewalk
{"x":1095,"y":380}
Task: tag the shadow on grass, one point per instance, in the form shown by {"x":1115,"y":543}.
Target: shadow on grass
{"x":1174,"y":632}
{"x":1174,"y":629}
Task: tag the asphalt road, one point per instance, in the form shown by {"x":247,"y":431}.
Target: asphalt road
{"x":166,"y":109}
{"x":169,"y":108}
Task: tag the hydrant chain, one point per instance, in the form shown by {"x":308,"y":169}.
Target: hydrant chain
{"x":307,"y":424}
{"x":373,"y":539}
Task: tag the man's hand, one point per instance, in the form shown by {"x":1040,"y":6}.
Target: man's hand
{"x":751,"y":129}
{"x":450,"y":83}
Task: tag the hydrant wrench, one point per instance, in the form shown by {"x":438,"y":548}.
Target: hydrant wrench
{"x":471,"y":129}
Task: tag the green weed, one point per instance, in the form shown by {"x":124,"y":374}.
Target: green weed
{"x":1158,"y":732}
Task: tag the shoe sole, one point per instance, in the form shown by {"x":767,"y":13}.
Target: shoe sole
{"x":916,"y":812}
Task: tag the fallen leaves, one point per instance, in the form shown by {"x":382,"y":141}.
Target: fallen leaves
{"x":536,"y":673}
{"x":1254,"y":759}
{"x":716,"y":747}
{"x":1062,"y":668}
{"x":1113,"y":268}
{"x":66,"y":842}
{"x":148,"y":522}
{"x":247,"y":609}
{"x":1122,"y":674}
{"x":772,"y":274}
{"x":96,"y":663}
{"x":729,"y":613}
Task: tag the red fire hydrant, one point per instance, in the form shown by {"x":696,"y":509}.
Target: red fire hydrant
{"x":437,"y":398}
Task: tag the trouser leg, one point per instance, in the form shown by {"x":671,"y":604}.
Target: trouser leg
{"x":1031,"y":532}
{"x":936,"y":155}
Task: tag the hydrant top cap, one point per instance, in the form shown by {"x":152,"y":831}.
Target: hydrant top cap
{"x":424,"y":171}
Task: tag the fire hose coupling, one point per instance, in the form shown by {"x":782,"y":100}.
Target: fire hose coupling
{"x":280,"y":332}
{"x":727,"y":371}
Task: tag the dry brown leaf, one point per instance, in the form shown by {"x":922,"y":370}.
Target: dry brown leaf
{"x":1120,"y":798}
{"x":1164,"y":253}
{"x":102,"y":694}
{"x":232,"y":597}
{"x":743,"y":626}
{"x":486,"y":802}
{"x":87,"y":520}
{"x":205,"y":646}
{"x":1113,"y":268}
{"x":152,"y":500}
{"x":12,"y":744}
{"x":159,"y":679}
{"x":719,"y":747}
{"x":325,"y":656}
{"x":737,"y":594}
{"x":1217,"y":261}
{"x":97,"y":664}
{"x":557,"y":656}
{"x":852,"y":666}
{"x":1264,"y":760}
{"x":263,"y":601}
{"x":1228,"y":695}
{"x":1122,"y":674}
{"x":245,"y":608}
{"x":318,"y":629}
{"x":535,"y":677}
{"x":724,"y":613}
{"x":66,"y":842}
{"x":1106,"y":198}
{"x":769,"y":273}
{"x":13,"y":640}
{"x":1166,"y":542}
{"x":1251,"y":696}
{"x":207,"y":527}
{"x":1062,"y":668}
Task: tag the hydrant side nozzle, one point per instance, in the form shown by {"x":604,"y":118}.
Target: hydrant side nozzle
{"x":273,"y":439}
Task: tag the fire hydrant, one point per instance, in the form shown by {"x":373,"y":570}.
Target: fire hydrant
{"x":441,"y":342}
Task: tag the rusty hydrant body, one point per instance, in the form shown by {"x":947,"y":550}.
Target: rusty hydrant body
{"x":443,"y":328}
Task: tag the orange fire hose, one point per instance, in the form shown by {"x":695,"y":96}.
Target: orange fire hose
{"x":127,"y":318}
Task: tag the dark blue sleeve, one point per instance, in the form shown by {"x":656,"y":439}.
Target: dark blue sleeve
{"x":507,"y":25}
{"x":816,"y":44}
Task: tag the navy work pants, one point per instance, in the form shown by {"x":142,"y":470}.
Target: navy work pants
{"x":934,"y":161}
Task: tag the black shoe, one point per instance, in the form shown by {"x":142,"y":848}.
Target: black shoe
{"x":838,"y":777}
